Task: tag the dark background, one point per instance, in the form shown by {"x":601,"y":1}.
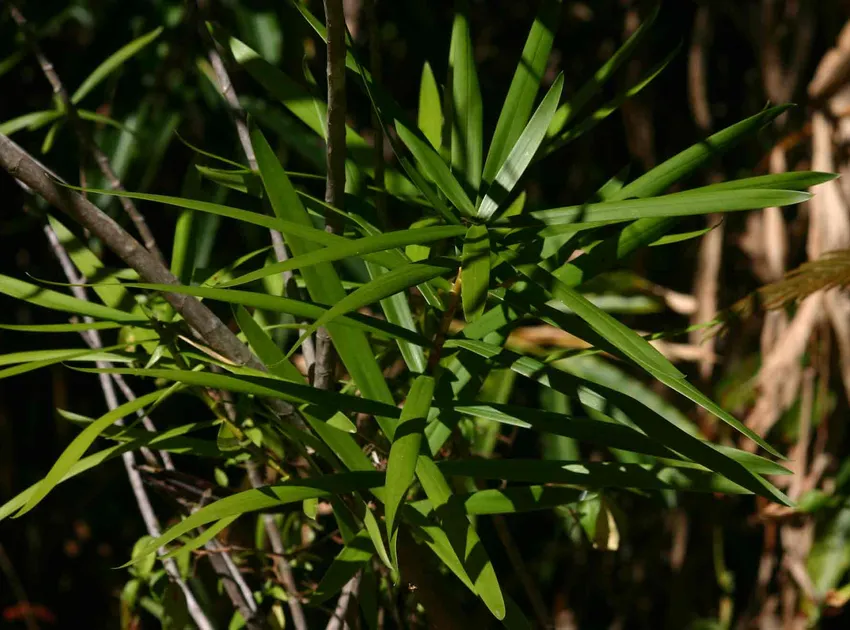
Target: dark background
{"x":64,"y":553}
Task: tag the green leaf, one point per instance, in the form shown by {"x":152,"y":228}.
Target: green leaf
{"x":353,"y":248}
{"x":322,"y":281}
{"x":61,"y":302}
{"x":524,"y":85}
{"x":628,"y":342}
{"x":270,"y":497}
{"x":112,"y":63}
{"x":265,"y":348}
{"x":37,"y":359}
{"x":384,"y":286}
{"x":590,"y":474}
{"x":521,"y":153}
{"x":90,"y":266}
{"x":72,"y":454}
{"x":512,"y":500}
{"x":309,"y":109}
{"x":342,"y":422}
{"x":61,"y":328}
{"x":435,"y":168}
{"x":31,"y":121}
{"x":430,"y":109}
{"x":645,"y":231}
{"x":49,"y":137}
{"x":301,"y":230}
{"x":517,"y":499}
{"x":386,"y":110}
{"x":202,"y":539}
{"x":466,"y":107}
{"x":621,"y":336}
{"x":605,"y":110}
{"x":401,"y":465}
{"x":306,"y":310}
{"x":248,"y":381}
{"x":162,"y":440}
{"x":570,"y":109}
{"x":374,"y":531}
{"x":353,"y":557}
{"x":651,"y":420}
{"x":795,"y":180}
{"x":397,"y":311}
{"x":602,"y":431}
{"x":476,"y":271}
{"x":670,"y":239}
{"x":339,"y":441}
{"x":462,"y":536}
{"x":675,"y":205}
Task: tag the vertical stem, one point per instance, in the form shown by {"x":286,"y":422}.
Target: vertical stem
{"x":323,"y":376}
{"x":240,"y":121}
{"x":280,"y":562}
{"x":337,"y":620}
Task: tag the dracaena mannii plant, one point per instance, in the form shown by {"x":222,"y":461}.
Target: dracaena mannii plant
{"x":401,"y":442}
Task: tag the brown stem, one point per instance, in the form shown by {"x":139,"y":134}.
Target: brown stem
{"x":82,"y":134}
{"x":223,"y":564}
{"x":20,"y":165}
{"x":323,"y":376}
{"x":281,"y":563}
{"x":349,"y":591}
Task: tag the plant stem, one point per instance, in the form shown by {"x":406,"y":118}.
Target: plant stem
{"x":323,"y":375}
{"x":83,"y":135}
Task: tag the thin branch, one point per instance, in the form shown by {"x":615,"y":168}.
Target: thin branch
{"x":82,"y":134}
{"x":337,"y":620}
{"x":240,"y":121}
{"x":323,"y":375}
{"x":212,"y":330}
{"x":280,"y":562}
{"x":223,"y":564}
{"x":91,"y":337}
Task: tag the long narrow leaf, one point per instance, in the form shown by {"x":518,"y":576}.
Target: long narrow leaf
{"x":430,"y":109}
{"x":382,"y":287}
{"x":72,"y":454}
{"x":352,"y":321}
{"x":466,"y":108}
{"x":353,"y":557}
{"x":265,"y":348}
{"x":352,"y":248}
{"x":61,"y":302}
{"x":261,"y":384}
{"x":645,"y":231}
{"x":675,"y":205}
{"x":397,"y":311}
{"x":268,"y":497}
{"x":323,"y":283}
{"x":524,"y":85}
{"x":476,"y":272}
{"x":113,"y":63}
{"x":404,"y":452}
{"x":522,"y":152}
{"x":462,"y":536}
{"x":435,"y":168}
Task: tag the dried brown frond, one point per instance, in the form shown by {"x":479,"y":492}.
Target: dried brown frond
{"x":829,"y":271}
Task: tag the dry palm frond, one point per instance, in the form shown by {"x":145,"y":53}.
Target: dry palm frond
{"x":829,"y":271}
